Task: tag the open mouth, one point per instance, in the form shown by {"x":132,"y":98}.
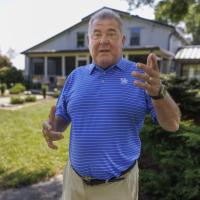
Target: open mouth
{"x":104,"y":51}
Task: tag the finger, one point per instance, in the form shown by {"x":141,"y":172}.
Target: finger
{"x":46,"y":125}
{"x":144,"y":77}
{"x":152,"y":62}
{"x":51,"y":145}
{"x":52,"y":114}
{"x":151,"y":72}
{"x":53,"y":135}
{"x":143,"y":85}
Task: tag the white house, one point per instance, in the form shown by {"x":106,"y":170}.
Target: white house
{"x":54,"y":58}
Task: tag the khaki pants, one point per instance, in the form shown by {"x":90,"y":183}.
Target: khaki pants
{"x":75,"y":189}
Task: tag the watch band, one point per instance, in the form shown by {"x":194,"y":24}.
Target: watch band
{"x":161,"y":94}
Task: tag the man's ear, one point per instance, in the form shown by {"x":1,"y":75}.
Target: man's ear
{"x":87,"y":40}
{"x":123,"y":40}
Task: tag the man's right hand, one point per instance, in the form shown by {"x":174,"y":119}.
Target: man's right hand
{"x":48,"y":130}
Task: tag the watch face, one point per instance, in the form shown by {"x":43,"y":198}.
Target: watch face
{"x":162,"y":93}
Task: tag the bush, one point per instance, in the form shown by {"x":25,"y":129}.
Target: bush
{"x":170,"y":163}
{"x":17,"y":100}
{"x":186,"y":94}
{"x":3,"y":88}
{"x":30,"y":98}
{"x":56,"y":93}
{"x":17,"y":88}
{"x":11,"y":75}
{"x":44,"y":89}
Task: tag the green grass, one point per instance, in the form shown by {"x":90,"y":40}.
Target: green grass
{"x":25,"y":157}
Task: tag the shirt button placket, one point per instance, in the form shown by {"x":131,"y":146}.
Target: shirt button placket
{"x":103,"y":80}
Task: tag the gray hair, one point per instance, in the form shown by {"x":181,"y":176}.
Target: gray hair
{"x":105,"y":14}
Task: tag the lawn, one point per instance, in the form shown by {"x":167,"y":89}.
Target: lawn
{"x":24,"y":155}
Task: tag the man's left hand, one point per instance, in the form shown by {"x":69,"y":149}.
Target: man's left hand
{"x":151,"y":76}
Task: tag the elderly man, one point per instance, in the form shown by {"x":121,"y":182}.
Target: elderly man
{"x":106,"y":103}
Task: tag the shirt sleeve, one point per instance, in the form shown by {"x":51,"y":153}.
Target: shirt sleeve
{"x":150,"y":109}
{"x":62,"y":102}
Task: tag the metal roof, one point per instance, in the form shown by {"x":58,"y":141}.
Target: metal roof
{"x":188,"y":52}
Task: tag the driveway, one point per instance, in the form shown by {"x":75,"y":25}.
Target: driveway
{"x":49,"y":190}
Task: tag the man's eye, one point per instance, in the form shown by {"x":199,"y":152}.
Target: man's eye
{"x":96,"y":35}
{"x":111,"y":34}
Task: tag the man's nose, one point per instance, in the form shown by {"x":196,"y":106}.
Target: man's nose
{"x":104,"y":39}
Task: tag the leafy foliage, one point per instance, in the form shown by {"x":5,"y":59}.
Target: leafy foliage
{"x":3,"y":88}
{"x":5,"y":61}
{"x":138,"y":3}
{"x":186,"y":94}
{"x":11,"y":75}
{"x":16,"y":100}
{"x":44,"y":89}
{"x":30,"y":98}
{"x":170,"y":163}
{"x":17,"y":88}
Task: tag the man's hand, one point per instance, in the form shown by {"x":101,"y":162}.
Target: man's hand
{"x":151,"y":76}
{"x":48,"y":130}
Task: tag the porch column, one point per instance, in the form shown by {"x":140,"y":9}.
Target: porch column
{"x":63,"y":65}
{"x":46,"y":69}
{"x":27,"y":71}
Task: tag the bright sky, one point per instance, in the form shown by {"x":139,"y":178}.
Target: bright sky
{"x":25,"y":23}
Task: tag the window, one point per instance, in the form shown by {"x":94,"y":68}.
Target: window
{"x":191,"y":71}
{"x":69,"y":64}
{"x":138,"y":58}
{"x":54,"y":66}
{"x":37,"y":66}
{"x":135,"y":36}
{"x":80,"y":39}
{"x":82,"y":62}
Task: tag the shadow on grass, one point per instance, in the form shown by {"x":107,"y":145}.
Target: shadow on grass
{"x":21,"y":177}
{"x":48,"y":190}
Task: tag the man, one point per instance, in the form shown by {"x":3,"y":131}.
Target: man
{"x":106,"y":103}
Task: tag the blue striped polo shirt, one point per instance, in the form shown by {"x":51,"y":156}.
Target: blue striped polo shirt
{"x":106,"y":111}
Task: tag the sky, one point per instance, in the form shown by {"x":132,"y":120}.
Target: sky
{"x":25,"y":23}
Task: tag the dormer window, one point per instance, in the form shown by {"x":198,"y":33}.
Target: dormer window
{"x":80,"y":39}
{"x":135,"y":36}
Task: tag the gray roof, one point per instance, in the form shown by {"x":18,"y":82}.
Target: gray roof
{"x":188,"y":53}
{"x":175,"y":30}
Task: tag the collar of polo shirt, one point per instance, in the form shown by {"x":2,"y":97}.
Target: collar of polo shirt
{"x":119,"y":65}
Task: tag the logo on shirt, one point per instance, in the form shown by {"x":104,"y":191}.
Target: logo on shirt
{"x":124,"y":81}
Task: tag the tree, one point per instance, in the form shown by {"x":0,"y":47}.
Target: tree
{"x":181,"y":10}
{"x":175,"y":11}
{"x":138,"y":3}
{"x":5,"y":61}
{"x":11,"y":75}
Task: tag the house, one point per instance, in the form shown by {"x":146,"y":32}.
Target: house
{"x":54,"y":58}
{"x":188,"y":62}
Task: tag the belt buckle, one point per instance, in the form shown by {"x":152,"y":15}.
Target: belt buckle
{"x":87,"y":178}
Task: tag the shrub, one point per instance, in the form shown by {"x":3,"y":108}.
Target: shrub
{"x":30,"y":98}
{"x":56,"y":93}
{"x":44,"y":89}
{"x":3,"y":88}
{"x":10,"y":75}
{"x":186,"y":94}
{"x":17,"y":100}
{"x":170,"y":163}
{"x":17,"y":88}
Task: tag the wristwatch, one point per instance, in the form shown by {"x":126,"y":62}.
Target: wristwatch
{"x":161,"y":94}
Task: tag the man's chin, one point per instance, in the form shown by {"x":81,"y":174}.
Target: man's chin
{"x":105,"y":62}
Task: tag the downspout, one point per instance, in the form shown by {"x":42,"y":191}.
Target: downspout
{"x":169,"y":38}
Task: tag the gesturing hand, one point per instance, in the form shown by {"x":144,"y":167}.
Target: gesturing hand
{"x":48,"y":130}
{"x":151,"y":76}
